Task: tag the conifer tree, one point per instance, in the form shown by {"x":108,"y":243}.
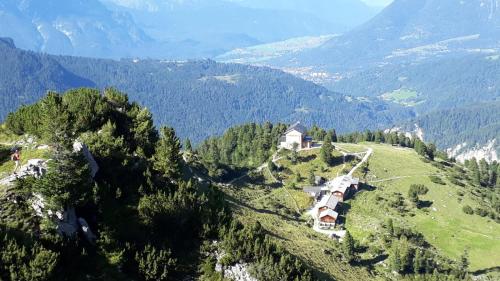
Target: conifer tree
{"x":56,"y":120}
{"x":187,"y":145}
{"x":154,"y":264}
{"x":167,"y":157}
{"x":418,"y":262}
{"x":348,"y":247}
{"x":463,"y":264}
{"x":395,"y":257}
{"x":67,"y":182}
{"x":311,"y":177}
{"x":326,"y":151}
{"x":294,"y":155}
{"x":145,"y":135}
{"x":390,"y":227}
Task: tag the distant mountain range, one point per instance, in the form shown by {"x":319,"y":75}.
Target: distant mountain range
{"x":435,"y":48}
{"x":198,"y":98}
{"x":169,"y":28}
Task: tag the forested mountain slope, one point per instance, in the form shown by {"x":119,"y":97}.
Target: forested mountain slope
{"x":470,"y":127}
{"x":142,"y":216}
{"x":198,"y":98}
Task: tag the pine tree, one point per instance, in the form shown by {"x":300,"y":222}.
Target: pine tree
{"x":463,"y":264}
{"x":67,"y":182}
{"x":390,"y":227}
{"x":294,"y":156}
{"x":56,"y":120}
{"x":145,"y":134}
{"x":187,"y":145}
{"x":298,"y":177}
{"x":167,"y":157}
{"x":418,"y":262}
{"x":311,"y":177}
{"x":155,"y":264}
{"x":348,"y":247}
{"x":395,"y":257}
{"x":326,"y":151}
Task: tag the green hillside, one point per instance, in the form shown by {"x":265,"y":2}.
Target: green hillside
{"x":445,"y":228}
{"x":443,"y":223}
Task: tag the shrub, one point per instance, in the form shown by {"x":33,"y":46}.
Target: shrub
{"x":437,"y":180}
{"x":468,"y":210}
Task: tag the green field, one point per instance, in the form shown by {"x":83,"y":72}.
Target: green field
{"x":275,"y":209}
{"x":443,"y":224}
{"x":404,"y":97}
{"x":309,"y":160}
{"x":392,"y":170}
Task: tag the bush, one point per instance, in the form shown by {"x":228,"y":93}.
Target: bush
{"x":482,"y":212}
{"x":437,"y":180}
{"x":468,"y":210}
{"x":419,"y":189}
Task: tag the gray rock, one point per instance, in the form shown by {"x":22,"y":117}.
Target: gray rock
{"x":84,"y":226}
{"x":79,"y":146}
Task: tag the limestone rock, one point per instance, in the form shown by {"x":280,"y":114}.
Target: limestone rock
{"x":79,"y":146}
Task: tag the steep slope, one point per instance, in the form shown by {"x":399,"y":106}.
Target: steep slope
{"x":464,"y":129}
{"x":213,"y":96}
{"x":164,"y":29}
{"x":213,"y":27}
{"x":85,"y":28}
{"x":407,"y":24}
{"x":26,"y":76}
{"x":348,"y":13}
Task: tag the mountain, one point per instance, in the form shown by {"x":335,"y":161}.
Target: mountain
{"x":463,"y":130}
{"x":348,"y":13}
{"x":85,"y":28}
{"x":218,"y":26}
{"x":166,"y":29}
{"x":25,"y":76}
{"x":213,"y":95}
{"x":430,"y":55}
{"x":406,"y":29}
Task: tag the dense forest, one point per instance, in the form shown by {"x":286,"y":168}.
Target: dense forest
{"x":475,"y":124}
{"x":152,"y":220}
{"x":215,"y":96}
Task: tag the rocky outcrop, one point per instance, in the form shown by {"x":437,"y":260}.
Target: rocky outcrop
{"x":464,"y":151}
{"x":34,"y":167}
{"x":237,"y":272}
{"x":81,"y":147}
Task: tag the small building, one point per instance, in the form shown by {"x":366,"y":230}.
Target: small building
{"x":328,"y":203}
{"x":327,"y":218}
{"x":342,"y":187}
{"x":296,"y":134}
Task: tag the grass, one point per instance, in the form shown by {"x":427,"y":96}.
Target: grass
{"x":391,"y":170}
{"x":7,"y":166}
{"x":310,"y":160}
{"x":444,"y":225}
{"x":405,"y":97}
{"x":275,"y":210}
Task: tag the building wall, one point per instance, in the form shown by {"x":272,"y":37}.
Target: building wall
{"x":327,"y":219}
{"x":339,"y":196}
{"x":294,"y":137}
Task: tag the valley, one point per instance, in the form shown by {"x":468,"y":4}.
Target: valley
{"x":250,"y":140}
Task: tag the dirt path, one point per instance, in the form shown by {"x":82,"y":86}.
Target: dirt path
{"x":365,"y":158}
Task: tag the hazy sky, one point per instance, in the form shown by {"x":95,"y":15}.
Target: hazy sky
{"x":378,"y":2}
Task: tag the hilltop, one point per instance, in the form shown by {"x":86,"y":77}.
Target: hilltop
{"x":454,"y":213}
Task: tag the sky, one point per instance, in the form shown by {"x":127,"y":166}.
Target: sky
{"x":378,"y":2}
